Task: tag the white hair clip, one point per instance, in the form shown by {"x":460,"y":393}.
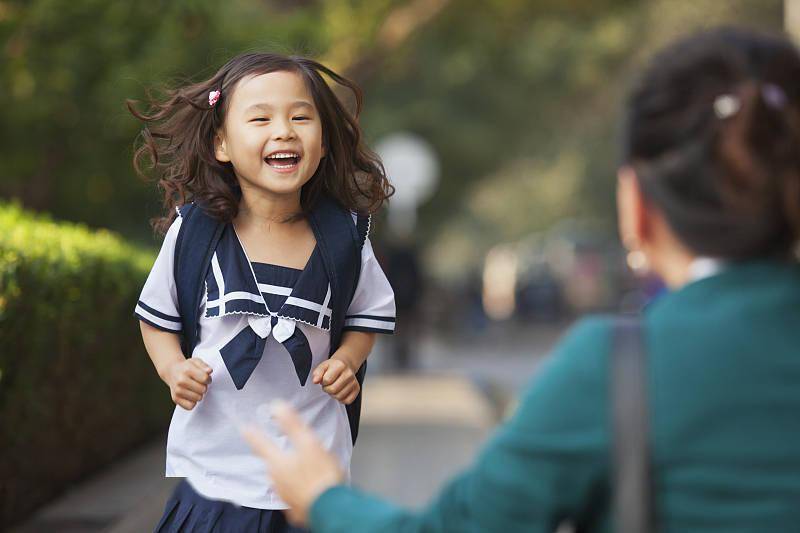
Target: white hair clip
{"x":726,"y":105}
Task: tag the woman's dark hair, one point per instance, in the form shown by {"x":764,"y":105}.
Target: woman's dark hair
{"x":177,"y":142}
{"x":713,"y":132}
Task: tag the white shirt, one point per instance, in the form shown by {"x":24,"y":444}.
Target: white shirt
{"x":204,"y":445}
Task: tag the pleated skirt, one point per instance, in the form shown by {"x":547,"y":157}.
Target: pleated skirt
{"x":189,"y":512}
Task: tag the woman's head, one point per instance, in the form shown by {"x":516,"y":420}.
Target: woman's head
{"x":713,"y":139}
{"x":263,"y":121}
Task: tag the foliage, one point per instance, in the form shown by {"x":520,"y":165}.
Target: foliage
{"x":76,"y":388}
{"x":493,"y":85}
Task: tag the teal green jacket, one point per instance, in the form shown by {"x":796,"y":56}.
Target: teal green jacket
{"x":724,"y":399}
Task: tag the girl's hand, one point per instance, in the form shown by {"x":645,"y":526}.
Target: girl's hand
{"x":188,"y":381}
{"x":299,"y":475}
{"x":337,"y":379}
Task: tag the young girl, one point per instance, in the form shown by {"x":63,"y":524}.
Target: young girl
{"x":266,"y":273}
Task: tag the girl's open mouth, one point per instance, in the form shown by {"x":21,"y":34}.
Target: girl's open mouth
{"x":284,"y":161}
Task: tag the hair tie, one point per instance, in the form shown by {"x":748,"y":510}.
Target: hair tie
{"x":773,"y":96}
{"x":213,"y":97}
{"x":727,"y":105}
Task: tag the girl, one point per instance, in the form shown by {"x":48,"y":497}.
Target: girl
{"x":266,"y":272}
{"x":709,"y":192}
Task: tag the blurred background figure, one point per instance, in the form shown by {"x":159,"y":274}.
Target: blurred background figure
{"x":401,"y":264}
{"x":413,"y":168}
{"x":502,"y":232}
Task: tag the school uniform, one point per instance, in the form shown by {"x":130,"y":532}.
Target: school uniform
{"x":264,"y":328}
{"x":723,"y":388}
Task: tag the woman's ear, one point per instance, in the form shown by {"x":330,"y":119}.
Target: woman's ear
{"x":220,"y":152}
{"x":631,"y":209}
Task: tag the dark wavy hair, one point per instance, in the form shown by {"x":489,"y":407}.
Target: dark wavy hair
{"x":713,"y":132}
{"x":176,"y":144}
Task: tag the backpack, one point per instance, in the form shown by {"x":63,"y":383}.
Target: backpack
{"x":340,"y":240}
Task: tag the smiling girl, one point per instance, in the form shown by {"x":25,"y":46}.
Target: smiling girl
{"x":266,"y":279}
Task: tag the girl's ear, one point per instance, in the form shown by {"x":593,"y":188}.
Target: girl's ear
{"x":220,"y":151}
{"x":631,"y":209}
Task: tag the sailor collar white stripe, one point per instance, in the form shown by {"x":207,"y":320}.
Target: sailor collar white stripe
{"x":232,"y":288}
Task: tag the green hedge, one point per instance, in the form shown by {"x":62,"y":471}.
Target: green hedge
{"x":76,"y":386}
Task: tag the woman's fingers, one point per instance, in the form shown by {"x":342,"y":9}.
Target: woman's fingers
{"x":300,"y":435}
{"x":262,"y":445}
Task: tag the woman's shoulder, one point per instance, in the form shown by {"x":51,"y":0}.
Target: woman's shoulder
{"x":589,"y":337}
{"x":580,"y":357}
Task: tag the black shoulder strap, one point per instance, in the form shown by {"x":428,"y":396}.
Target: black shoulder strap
{"x":632,"y":486}
{"x":340,"y":241}
{"x":196,"y":241}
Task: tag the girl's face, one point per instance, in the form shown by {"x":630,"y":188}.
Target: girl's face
{"x":272,"y":134}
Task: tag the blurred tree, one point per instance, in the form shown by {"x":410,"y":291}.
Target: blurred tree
{"x":68,"y":67}
{"x":519,"y":98}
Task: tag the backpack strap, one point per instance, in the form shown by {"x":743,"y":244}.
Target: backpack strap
{"x":194,"y":246}
{"x":632,"y":483}
{"x":340,"y":241}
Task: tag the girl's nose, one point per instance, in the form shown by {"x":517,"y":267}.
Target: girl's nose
{"x":283,"y":130}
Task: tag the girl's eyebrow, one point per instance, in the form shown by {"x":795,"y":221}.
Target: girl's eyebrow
{"x":267,"y":107}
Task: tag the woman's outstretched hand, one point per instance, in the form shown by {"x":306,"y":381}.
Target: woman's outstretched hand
{"x":299,"y":475}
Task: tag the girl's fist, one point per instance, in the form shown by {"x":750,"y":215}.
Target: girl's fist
{"x":188,"y":381}
{"x":337,"y":379}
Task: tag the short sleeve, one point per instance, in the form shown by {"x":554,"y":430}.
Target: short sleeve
{"x":158,"y":302}
{"x":372,"y":309}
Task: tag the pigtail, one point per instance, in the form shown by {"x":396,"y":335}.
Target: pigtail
{"x":712,"y":131}
{"x":759,"y":156}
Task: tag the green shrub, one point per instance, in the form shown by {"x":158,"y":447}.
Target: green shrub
{"x":76,"y":386}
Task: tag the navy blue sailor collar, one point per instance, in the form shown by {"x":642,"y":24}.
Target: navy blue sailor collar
{"x":232,"y":287}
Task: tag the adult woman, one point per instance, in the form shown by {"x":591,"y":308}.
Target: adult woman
{"x":709,"y":193}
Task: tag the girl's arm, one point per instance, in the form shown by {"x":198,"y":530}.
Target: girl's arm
{"x":187,"y":379}
{"x":355,"y":348}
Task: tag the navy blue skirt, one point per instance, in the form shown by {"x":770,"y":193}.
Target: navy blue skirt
{"x":188,"y":512}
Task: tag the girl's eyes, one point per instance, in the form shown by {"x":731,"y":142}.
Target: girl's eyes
{"x":265,"y":119}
